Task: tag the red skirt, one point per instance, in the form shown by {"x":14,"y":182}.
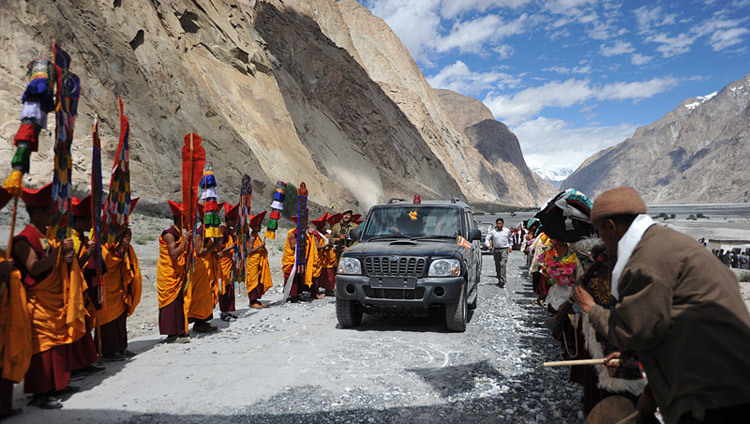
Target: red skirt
{"x":327,"y":279}
{"x":172,"y":318}
{"x":226,"y":300}
{"x":114,"y":335}
{"x":83,"y":352}
{"x":6,"y":396}
{"x":49,"y":370}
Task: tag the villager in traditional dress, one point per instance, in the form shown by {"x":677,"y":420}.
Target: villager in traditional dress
{"x":257,"y":270}
{"x":84,"y":352}
{"x":48,"y":270}
{"x":203,"y":290}
{"x":122,"y":293}
{"x":15,"y":328}
{"x":679,"y":309}
{"x":327,"y":262}
{"x":302,"y":282}
{"x":226,"y":262}
{"x":170,"y":279}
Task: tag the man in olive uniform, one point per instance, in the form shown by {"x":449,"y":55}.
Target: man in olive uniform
{"x":340,"y":231}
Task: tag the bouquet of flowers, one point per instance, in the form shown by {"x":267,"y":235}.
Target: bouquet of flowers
{"x":560,"y":269}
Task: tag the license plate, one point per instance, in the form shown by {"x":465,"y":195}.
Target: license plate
{"x":393,"y":282}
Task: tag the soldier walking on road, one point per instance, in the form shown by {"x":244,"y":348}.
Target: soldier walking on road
{"x":500,"y":241}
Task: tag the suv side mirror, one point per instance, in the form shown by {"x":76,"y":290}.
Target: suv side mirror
{"x":355,"y":234}
{"x":475,"y":235}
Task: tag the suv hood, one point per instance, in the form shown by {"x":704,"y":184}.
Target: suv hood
{"x":406,"y":247}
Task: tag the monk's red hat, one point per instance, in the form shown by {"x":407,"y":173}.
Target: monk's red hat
{"x":133,"y":202}
{"x":334,"y":219}
{"x":4,"y":197}
{"x":320,"y":222}
{"x":38,"y":198}
{"x":175,"y":207}
{"x":231,"y":212}
{"x":256,"y":220}
{"x":355,"y":218}
{"x":81,"y":208}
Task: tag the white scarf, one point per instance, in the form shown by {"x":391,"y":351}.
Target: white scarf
{"x":626,"y":245}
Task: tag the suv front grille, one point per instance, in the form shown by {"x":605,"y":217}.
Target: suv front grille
{"x":394,"y":266}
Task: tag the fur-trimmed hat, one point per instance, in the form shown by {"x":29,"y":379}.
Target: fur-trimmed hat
{"x":176,"y":208}
{"x":80,"y":208}
{"x":230,"y":211}
{"x":618,"y":201}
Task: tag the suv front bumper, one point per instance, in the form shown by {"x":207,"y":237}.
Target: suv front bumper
{"x":426,"y":292}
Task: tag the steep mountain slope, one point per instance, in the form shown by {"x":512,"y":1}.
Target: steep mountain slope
{"x":295,"y":90}
{"x":697,"y":153}
{"x":507,"y":171}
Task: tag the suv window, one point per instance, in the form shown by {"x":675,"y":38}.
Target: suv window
{"x":421,"y":221}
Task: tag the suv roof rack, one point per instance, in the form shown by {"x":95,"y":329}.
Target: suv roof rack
{"x":395,"y":199}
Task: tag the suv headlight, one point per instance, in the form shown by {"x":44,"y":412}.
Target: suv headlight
{"x":445,"y":268}
{"x":349,"y":266}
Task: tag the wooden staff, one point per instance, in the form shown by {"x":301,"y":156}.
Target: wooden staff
{"x":12,"y":227}
{"x":632,"y":416}
{"x":580,"y":362}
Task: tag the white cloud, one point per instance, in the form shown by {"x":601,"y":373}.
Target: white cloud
{"x":618,"y":48}
{"x":504,"y":51}
{"x":520,"y":106}
{"x":722,"y":39}
{"x":672,"y":46}
{"x":562,"y":70}
{"x":452,"y":8}
{"x":553,"y":144}
{"x":416,"y":23}
{"x":471,"y":36}
{"x":458,"y":77}
{"x":640,"y":59}
{"x":649,"y":18}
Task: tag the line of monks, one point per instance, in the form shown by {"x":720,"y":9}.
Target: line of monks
{"x":52,"y":301}
{"x":189,"y":299}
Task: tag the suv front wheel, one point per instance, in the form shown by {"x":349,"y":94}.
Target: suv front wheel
{"x":348,"y":312}
{"x":455,"y":313}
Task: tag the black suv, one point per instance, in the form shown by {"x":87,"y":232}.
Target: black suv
{"x":411,"y":257}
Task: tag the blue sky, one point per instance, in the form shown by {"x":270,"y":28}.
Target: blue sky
{"x":571,"y":77}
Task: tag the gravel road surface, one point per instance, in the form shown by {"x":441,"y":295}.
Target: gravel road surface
{"x":289,"y":363}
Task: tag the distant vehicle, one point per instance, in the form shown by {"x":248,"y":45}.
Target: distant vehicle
{"x":411,"y":257}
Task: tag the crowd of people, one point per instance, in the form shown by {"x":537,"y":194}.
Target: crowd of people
{"x":61,"y":317}
{"x":661,"y":313}
{"x":734,"y":258}
{"x":54,"y":296}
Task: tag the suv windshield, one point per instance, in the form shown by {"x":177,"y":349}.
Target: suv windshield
{"x":412,"y":221}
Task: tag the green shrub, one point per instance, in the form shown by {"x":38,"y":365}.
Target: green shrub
{"x":144,"y":238}
{"x":290,"y":201}
{"x":745,"y":277}
{"x":673,"y":216}
{"x":692,"y":218}
{"x":700,"y":215}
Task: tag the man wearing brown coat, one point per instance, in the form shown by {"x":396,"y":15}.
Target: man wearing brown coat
{"x":679,"y":309}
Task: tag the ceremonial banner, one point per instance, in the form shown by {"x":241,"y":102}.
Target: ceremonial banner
{"x":242,"y":243}
{"x":277,"y":205}
{"x":96,"y":210}
{"x":118,"y":199}
{"x":193,"y":161}
{"x":211,"y":221}
{"x":68,"y":92}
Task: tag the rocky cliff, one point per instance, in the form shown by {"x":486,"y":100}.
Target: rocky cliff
{"x":698,"y":153}
{"x":318,"y":91}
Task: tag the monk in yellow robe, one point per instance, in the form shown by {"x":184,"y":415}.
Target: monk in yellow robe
{"x":300,"y":281}
{"x":327,"y":261}
{"x":53,"y":284}
{"x":257,"y":270}
{"x":226,"y":262}
{"x":15,"y":328}
{"x":170,"y":279}
{"x":122,"y":293}
{"x":203,"y":290}
{"x":84,"y":349}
